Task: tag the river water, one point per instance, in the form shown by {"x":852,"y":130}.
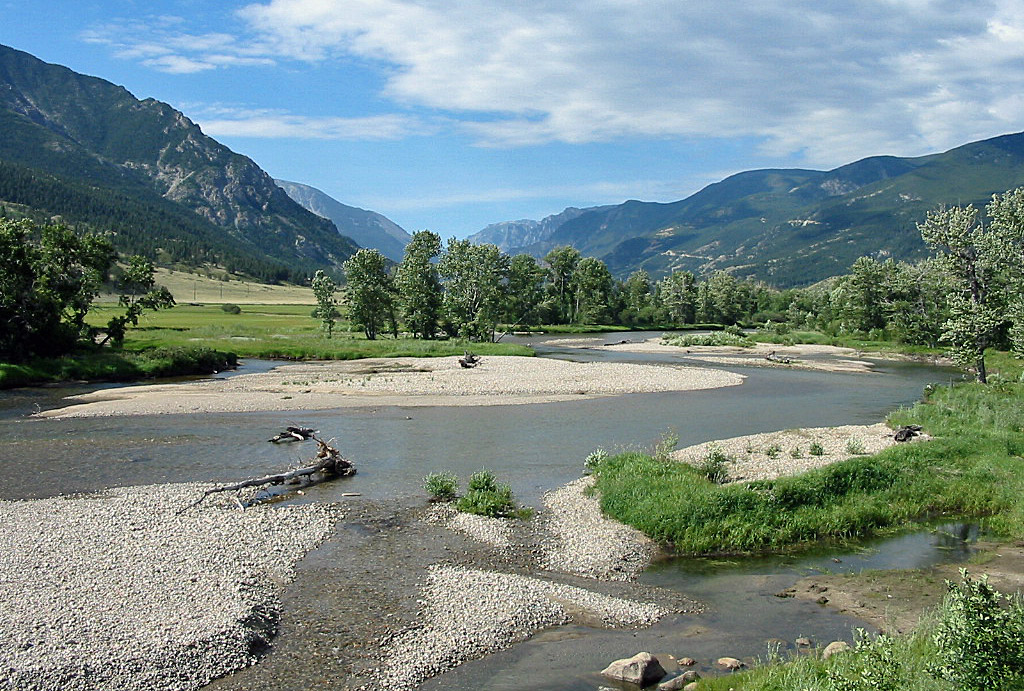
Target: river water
{"x":532,"y":447}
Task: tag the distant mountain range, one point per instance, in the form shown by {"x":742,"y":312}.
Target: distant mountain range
{"x":367,"y":228}
{"x":788,"y":227}
{"x":87,"y":151}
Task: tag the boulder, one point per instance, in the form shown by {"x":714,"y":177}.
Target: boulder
{"x":642,"y":669}
{"x":686,"y":662}
{"x":729,"y":663}
{"x":680,"y":682}
{"x":833,"y":648}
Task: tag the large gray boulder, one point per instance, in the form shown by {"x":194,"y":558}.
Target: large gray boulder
{"x":642,"y":669}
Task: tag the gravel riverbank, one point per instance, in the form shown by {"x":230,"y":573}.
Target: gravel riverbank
{"x":497,"y":380}
{"x":115,"y":590}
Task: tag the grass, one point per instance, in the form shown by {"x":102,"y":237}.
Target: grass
{"x":973,"y":467}
{"x":279,"y":331}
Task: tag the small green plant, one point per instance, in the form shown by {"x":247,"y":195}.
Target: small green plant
{"x":816,"y":449}
{"x":665,"y":445}
{"x":713,"y":467}
{"x":980,"y":637}
{"x":486,"y":497}
{"x":855,"y":446}
{"x":441,"y":486}
{"x":795,"y":452}
{"x":773,"y":451}
{"x":594,"y":460}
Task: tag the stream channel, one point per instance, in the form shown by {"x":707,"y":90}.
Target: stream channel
{"x":534,"y":448}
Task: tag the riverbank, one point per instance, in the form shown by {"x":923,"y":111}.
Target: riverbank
{"x":496,"y":380}
{"x":822,"y":358}
{"x":117,"y":590}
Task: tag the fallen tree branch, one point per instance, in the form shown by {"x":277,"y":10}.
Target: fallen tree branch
{"x":328,"y":462}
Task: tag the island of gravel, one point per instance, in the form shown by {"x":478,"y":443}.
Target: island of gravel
{"x":496,"y":380}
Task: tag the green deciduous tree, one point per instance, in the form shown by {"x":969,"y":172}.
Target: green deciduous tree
{"x":326,"y":310}
{"x":418,"y":285}
{"x":969,"y":253}
{"x":525,"y":290}
{"x":50,"y":276}
{"x":475,"y":279}
{"x":591,"y":287}
{"x":562,"y":262}
{"x":679,"y":296}
{"x":138,"y":292}
{"x":370,"y":292}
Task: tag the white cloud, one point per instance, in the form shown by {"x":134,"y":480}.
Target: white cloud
{"x":219,"y":121}
{"x":831,"y":79}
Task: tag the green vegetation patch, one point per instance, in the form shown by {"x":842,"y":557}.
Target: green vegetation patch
{"x":972,"y":468}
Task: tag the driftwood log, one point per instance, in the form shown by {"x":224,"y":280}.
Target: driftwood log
{"x":772,"y":357}
{"x":907,"y":432}
{"x":469,"y":360}
{"x":328,"y":463}
{"x":292,"y":433}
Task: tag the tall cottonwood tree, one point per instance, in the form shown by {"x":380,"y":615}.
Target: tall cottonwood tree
{"x":418,"y":285}
{"x":326,"y":310}
{"x":370,"y":293}
{"x":475,"y":279}
{"x":969,"y":253}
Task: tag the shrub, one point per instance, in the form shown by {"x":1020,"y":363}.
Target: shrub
{"x":874,"y":666}
{"x":816,"y":449}
{"x":496,"y":503}
{"x":855,"y":446}
{"x":715,"y":338}
{"x":713,"y":467}
{"x":665,"y":445}
{"x":441,"y":486}
{"x":231,"y":309}
{"x":795,"y":452}
{"x":773,"y":451}
{"x":980,"y":637}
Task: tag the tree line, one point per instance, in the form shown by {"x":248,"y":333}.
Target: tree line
{"x":968,"y":296}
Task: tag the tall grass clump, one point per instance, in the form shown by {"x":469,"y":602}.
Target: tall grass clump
{"x":441,"y":486}
{"x":485,"y":496}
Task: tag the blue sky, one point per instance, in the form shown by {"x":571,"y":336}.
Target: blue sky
{"x":452,"y":114}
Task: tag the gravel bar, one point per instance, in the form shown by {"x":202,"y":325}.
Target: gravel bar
{"x":114,"y":590}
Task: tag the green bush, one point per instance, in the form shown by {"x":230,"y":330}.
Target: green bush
{"x":713,"y":467}
{"x":594,"y":460}
{"x":715,"y":338}
{"x":855,"y":446}
{"x":496,"y":503}
{"x":816,"y":449}
{"x":980,"y":637}
{"x":483,"y":480}
{"x":231,"y":309}
{"x":441,"y":486}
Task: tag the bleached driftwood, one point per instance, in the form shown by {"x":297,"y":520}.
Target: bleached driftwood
{"x":328,"y":462}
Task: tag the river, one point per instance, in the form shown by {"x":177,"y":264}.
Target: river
{"x":534,"y":448}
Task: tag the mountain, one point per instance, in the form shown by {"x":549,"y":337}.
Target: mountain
{"x":513,"y":237}
{"x":149,"y":173}
{"x":368,"y":228}
{"x":793,"y":227}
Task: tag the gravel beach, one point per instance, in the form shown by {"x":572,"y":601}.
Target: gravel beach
{"x":114,"y":590}
{"x":788,"y":452}
{"x":497,"y":380}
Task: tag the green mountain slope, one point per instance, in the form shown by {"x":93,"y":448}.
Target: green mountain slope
{"x":102,"y":143}
{"x":794,"y":227}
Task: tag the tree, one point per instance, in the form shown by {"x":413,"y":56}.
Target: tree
{"x":475,"y":281}
{"x":418,"y":285}
{"x":636,"y":293}
{"x":50,"y":277}
{"x":138,"y":292}
{"x":592,"y":291}
{"x":1006,"y":214}
{"x":525,"y":290}
{"x":679,"y":295}
{"x":326,"y":311}
{"x":969,"y":253}
{"x":370,"y":292}
{"x":562,"y":263}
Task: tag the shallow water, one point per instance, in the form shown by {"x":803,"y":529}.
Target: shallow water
{"x":533,"y":447}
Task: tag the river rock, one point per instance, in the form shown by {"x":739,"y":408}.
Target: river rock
{"x":729,"y":663}
{"x":641,"y":669}
{"x":686,"y":662}
{"x":804,"y":642}
{"x":680,"y":682}
{"x":833,"y":648}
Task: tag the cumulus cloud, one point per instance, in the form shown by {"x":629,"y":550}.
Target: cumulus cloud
{"x":828,"y":79}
